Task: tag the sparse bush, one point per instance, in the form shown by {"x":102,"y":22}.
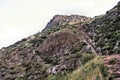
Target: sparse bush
{"x":85,"y":57}
{"x":112,"y":61}
{"x":47,"y":60}
{"x":77,"y":47}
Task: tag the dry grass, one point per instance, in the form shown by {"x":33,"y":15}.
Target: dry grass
{"x":92,"y":70}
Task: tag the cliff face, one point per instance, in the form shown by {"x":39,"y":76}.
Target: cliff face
{"x":64,"y":19}
{"x":66,"y":43}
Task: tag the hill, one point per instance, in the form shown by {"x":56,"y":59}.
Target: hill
{"x":69,"y":48}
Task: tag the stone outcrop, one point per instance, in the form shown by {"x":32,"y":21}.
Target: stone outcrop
{"x":64,"y":19}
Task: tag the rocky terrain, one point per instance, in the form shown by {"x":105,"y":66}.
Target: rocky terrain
{"x":113,"y":64}
{"x":69,"y":48}
{"x":64,"y":19}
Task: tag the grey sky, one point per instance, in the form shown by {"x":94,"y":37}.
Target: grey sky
{"x":21,"y":18}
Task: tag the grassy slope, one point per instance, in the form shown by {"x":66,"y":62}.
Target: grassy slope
{"x":92,"y":70}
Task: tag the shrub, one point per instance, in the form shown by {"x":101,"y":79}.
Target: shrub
{"x":85,"y":57}
{"x":47,"y":60}
{"x":112,"y":61}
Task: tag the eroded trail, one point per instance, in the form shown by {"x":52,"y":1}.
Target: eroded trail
{"x":89,"y":41}
{"x":85,"y":38}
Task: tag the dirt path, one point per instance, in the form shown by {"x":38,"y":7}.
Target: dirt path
{"x":85,"y":38}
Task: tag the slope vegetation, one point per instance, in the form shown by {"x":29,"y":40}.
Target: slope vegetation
{"x":69,"y":48}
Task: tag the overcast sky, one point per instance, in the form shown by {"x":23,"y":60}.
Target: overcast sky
{"x":21,"y":18}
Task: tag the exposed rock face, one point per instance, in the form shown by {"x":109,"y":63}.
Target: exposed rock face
{"x":64,"y":19}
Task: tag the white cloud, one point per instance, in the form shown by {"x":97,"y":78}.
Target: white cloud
{"x":21,"y":18}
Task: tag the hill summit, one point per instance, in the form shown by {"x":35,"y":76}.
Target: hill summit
{"x":64,"y":19}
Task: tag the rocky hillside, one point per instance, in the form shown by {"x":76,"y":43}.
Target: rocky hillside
{"x":68,"y":46}
{"x":54,"y":50}
{"x":64,"y":19}
{"x":104,"y":30}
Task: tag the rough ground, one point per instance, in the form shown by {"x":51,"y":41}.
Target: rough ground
{"x":113,"y":64}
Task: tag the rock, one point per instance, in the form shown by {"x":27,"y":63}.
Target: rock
{"x":64,"y":19}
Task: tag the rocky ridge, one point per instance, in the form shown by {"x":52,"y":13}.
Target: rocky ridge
{"x":65,"y":19}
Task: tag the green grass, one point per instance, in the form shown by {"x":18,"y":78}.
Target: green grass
{"x":92,"y":70}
